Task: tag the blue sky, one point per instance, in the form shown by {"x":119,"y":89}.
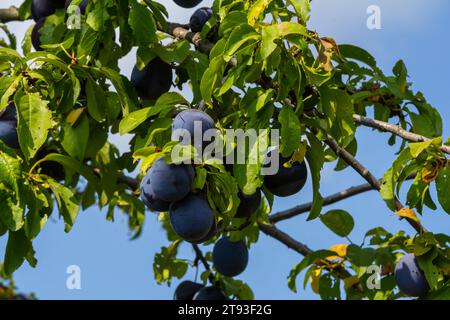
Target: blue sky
{"x":113,"y":267}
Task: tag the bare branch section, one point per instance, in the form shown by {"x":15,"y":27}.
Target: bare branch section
{"x":199,"y":255}
{"x":9,"y":14}
{"x":306,"y":207}
{"x":366,"y":174}
{"x":397,"y":130}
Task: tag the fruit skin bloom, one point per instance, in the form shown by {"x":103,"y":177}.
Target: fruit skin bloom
{"x":230,"y":258}
{"x":410,"y":278}
{"x":191,"y":218}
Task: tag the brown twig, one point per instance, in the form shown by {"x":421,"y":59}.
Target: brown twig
{"x":397,"y":130}
{"x":366,"y":174}
{"x":9,"y":14}
{"x":199,"y":255}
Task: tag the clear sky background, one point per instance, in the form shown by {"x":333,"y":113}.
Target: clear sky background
{"x":113,"y":267}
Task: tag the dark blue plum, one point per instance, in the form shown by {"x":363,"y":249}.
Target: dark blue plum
{"x":152,"y":81}
{"x":191,"y":218}
{"x":82,"y":5}
{"x":9,"y":113}
{"x":36,"y":36}
{"x":187,"y":120}
{"x":149,"y":198}
{"x":43,"y":8}
{"x":287,"y":181}
{"x":8,"y":134}
{"x":230,"y":258}
{"x":187,"y":3}
{"x":211,"y":234}
{"x":248,"y":205}
{"x":8,"y":126}
{"x":170,"y":182}
{"x":410,"y":278}
{"x":186,"y":290}
{"x":210,"y":293}
{"x":199,"y":19}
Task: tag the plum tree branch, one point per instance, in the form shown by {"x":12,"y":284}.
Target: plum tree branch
{"x":397,"y":130}
{"x":9,"y":14}
{"x":306,"y":207}
{"x":199,"y":255}
{"x":272,"y":231}
{"x":366,"y":174}
{"x":339,"y":196}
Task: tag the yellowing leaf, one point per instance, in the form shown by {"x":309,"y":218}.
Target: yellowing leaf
{"x":408,"y":213}
{"x":74,"y":115}
{"x":315,"y":277}
{"x":350,"y":282}
{"x":257,"y":10}
{"x":340,"y":249}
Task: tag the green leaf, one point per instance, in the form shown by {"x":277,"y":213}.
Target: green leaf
{"x":67,"y":203}
{"x":34,"y":122}
{"x":338,"y":221}
{"x":18,"y":248}
{"x":142,"y":23}
{"x":302,"y":8}
{"x":290,"y":131}
{"x":11,"y":215}
{"x":74,"y":166}
{"x":354,"y":52}
{"x":429,"y":268}
{"x":75,"y":138}
{"x":316,"y":158}
{"x":10,"y":166}
{"x":443,"y":188}
{"x":360,"y":256}
{"x":96,"y":101}
{"x":166,"y":265}
{"x":256,"y":11}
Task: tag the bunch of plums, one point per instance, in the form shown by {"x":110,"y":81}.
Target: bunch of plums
{"x":230,"y":258}
{"x":168,"y":187}
{"x":8,"y":126}
{"x":41,"y":9}
{"x":409,"y":278}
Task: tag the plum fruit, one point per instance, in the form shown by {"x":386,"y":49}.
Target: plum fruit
{"x":199,"y":19}
{"x":9,"y":113}
{"x":211,"y":234}
{"x":230,"y":258}
{"x":409,"y":277}
{"x":43,"y":8}
{"x":287,"y":181}
{"x":152,"y":81}
{"x":170,"y":182}
{"x":248,"y":205}
{"x":187,"y":3}
{"x":8,"y":126}
{"x":148,"y":196}
{"x":186,"y":290}
{"x":82,"y":5}
{"x":35,"y":35}
{"x":191,"y":218}
{"x":187,"y":119}
{"x":210,"y":293}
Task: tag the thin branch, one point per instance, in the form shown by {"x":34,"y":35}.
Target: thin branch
{"x":301,"y":248}
{"x":199,"y":255}
{"x":339,"y":196}
{"x":306,"y":207}
{"x":9,"y":14}
{"x":397,"y":130}
{"x":366,"y":174}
